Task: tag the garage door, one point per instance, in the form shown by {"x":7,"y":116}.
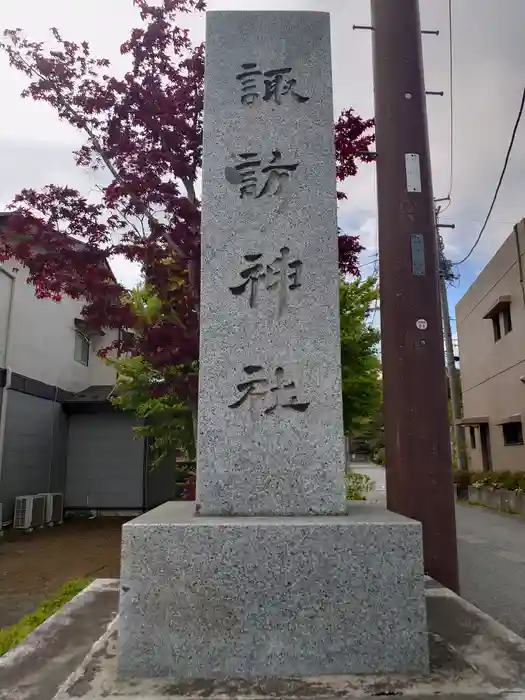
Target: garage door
{"x":105,"y":462}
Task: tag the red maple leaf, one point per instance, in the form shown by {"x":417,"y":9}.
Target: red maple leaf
{"x":145,"y":130}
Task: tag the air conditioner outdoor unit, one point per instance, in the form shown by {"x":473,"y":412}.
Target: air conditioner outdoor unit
{"x":54,"y":513}
{"x":29,"y":512}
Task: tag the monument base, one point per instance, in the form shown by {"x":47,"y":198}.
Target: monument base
{"x":271,"y":597}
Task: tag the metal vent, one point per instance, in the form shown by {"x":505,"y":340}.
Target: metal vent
{"x":19,"y":519}
{"x":39,"y":511}
{"x":54,"y":508}
{"x":29,"y":512}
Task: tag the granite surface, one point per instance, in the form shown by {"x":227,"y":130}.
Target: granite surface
{"x":271,"y":597}
{"x":270,"y":418}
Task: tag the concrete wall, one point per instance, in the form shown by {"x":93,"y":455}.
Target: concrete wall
{"x":491,"y":371}
{"x":34,"y":448}
{"x":42,"y":338}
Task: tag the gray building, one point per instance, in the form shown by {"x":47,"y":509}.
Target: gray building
{"x":58,"y":430}
{"x":490,"y":321}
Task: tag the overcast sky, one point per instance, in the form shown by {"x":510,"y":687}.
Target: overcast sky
{"x":489,"y":60}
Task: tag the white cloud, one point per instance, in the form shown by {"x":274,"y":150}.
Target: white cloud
{"x":126,"y":272}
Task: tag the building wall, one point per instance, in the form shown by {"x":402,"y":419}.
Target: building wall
{"x":42,"y":338}
{"x":491,"y":371}
{"x":6,"y":284}
{"x":105,"y":462}
{"x":34,"y":448}
{"x":100,"y":372}
{"x":40,"y":346}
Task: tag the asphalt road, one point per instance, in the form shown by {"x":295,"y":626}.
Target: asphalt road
{"x":491,"y":549}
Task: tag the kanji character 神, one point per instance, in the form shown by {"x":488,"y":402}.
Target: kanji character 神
{"x":281,"y":276}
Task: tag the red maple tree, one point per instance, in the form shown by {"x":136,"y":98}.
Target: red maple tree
{"x":145,"y":130}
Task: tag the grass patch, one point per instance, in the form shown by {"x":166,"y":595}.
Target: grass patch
{"x":11,"y":637}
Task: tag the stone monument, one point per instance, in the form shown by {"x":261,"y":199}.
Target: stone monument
{"x":268,"y":575}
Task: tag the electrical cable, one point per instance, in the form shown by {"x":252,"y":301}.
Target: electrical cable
{"x":370,"y":262}
{"x":502,"y":176}
{"x":451,"y":91}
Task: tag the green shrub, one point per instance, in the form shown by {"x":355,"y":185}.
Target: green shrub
{"x":379,"y":456}
{"x":511,"y":481}
{"x":357,"y":486}
{"x":11,"y":637}
{"x":462,"y":478}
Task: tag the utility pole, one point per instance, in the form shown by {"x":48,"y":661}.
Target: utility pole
{"x":452,"y":373}
{"x":453,"y":379}
{"x":418,"y":452}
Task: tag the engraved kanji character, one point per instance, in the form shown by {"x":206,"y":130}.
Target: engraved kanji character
{"x":251,"y":275}
{"x":277,"y":85}
{"x":281,"y":276}
{"x":281,"y":388}
{"x":278,"y":173}
{"x":278,"y":271}
{"x":250,"y":387}
{"x":248,"y":80}
{"x":280,"y":391}
{"x":246,"y":174}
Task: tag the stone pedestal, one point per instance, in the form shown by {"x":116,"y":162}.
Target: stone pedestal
{"x":272,"y":578}
{"x":217,"y":597}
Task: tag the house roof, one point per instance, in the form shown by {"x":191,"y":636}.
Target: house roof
{"x":477,"y":420}
{"x":6,"y":215}
{"x":93,"y":400}
{"x":499,"y":305}
{"x":515,"y":418}
{"x":96,"y":393}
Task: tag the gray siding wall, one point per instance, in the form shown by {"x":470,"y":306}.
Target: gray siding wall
{"x":162,"y":484}
{"x":104,"y":462}
{"x":34,"y":448}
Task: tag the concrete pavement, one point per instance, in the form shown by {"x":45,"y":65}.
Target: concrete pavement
{"x":38,"y":666}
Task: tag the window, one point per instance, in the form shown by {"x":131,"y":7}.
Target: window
{"x":512,"y":433}
{"x":507,"y":320}
{"x":499,"y":314}
{"x":81,"y":348}
{"x":473,"y":437}
{"x":497,"y":328}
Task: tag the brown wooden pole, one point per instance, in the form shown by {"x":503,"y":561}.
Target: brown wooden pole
{"x":418,"y":452}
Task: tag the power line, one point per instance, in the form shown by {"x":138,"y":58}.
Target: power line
{"x":451,"y":99}
{"x":502,"y":176}
{"x":478,"y":221}
{"x":370,"y":262}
